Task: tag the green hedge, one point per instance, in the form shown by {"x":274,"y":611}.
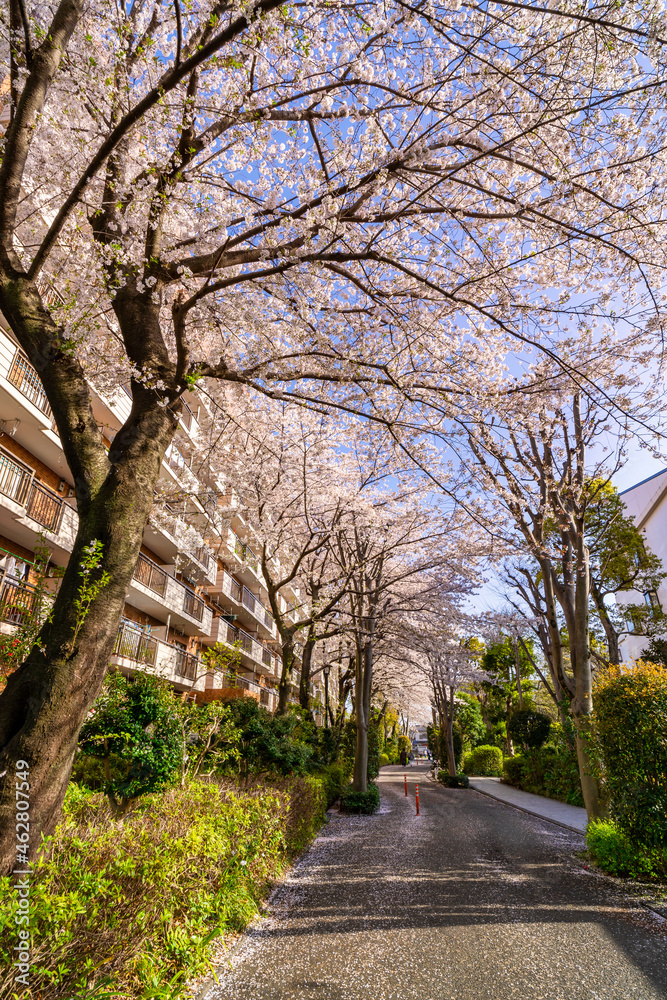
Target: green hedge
{"x":384,"y":760}
{"x":360,"y":802}
{"x":334,"y":778}
{"x":130,"y":909}
{"x":485,"y":760}
{"x":612,"y":850}
{"x":453,"y":780}
{"x":631,"y":727}
{"x":549,"y":771}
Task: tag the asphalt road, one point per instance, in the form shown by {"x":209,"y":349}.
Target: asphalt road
{"x":470,"y":900}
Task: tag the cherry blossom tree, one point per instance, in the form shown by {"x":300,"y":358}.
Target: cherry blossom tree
{"x":542,"y":458}
{"x":448,"y":666}
{"x":347,"y":205}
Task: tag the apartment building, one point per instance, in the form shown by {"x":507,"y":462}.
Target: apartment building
{"x":191,"y":591}
{"x":646,"y":503}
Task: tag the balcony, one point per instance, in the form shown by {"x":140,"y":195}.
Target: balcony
{"x":136,"y":649}
{"x":228,"y":684}
{"x":15,"y":479}
{"x":27,"y":381}
{"x":44,"y":507}
{"x":151,"y":582}
{"x":227,"y":586}
{"x":246,"y":560}
{"x":249,"y":648}
{"x":35,"y":502}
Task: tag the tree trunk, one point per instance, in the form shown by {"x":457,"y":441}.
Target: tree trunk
{"x":362,"y":700}
{"x":47,"y":699}
{"x":582,"y":704}
{"x":285,"y":683}
{"x":306,"y":661}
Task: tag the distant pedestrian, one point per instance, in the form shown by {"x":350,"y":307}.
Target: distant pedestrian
{"x":404,"y":758}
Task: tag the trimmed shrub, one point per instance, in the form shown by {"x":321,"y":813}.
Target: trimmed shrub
{"x":360,"y":802}
{"x":529,"y":728}
{"x":454,"y":780}
{"x":384,"y":760}
{"x":513,"y":771}
{"x":631,"y":727}
{"x":307,"y":799}
{"x":612,"y":850}
{"x":550,"y":771}
{"x":130,"y":909}
{"x":484,"y":760}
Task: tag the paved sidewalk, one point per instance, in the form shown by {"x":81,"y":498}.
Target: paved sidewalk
{"x":470,"y":900}
{"x":572,"y":817}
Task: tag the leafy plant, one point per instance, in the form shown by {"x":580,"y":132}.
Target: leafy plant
{"x":484,"y":760}
{"x":131,"y":910}
{"x":612,"y":850}
{"x":91,"y":560}
{"x":454,"y":780}
{"x":529,"y":728}
{"x":631,"y":726}
{"x":135,"y":731}
{"x":360,"y":802}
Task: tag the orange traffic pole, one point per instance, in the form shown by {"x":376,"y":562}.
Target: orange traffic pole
{"x":417,"y":797}
{"x":405,"y":779}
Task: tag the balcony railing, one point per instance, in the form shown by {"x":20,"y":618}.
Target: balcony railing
{"x":15,"y":479}
{"x":135,"y":645}
{"x":27,"y":381}
{"x":154,"y":578}
{"x":187,"y":417}
{"x":232,"y":588}
{"x":193,"y":605}
{"x":18,"y":601}
{"x":147,"y":650}
{"x":187,"y":665}
{"x":150,"y":575}
{"x":255,"y":649}
{"x":44,"y":507}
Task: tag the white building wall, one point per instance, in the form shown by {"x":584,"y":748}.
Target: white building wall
{"x":647,"y":505}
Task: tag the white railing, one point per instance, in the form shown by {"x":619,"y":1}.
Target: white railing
{"x":158,"y":656}
{"x":233,"y":637}
{"x":231,"y":588}
{"x":173,"y":593}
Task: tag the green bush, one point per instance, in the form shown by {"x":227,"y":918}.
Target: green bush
{"x":334,"y":778}
{"x":307,"y":799}
{"x":134,"y":906}
{"x":612,"y":850}
{"x":485,"y":760}
{"x":529,"y":728}
{"x":513,"y":770}
{"x":384,"y":760}
{"x":550,"y":771}
{"x":631,"y":727}
{"x":135,"y":736}
{"x":360,"y":802}
{"x":270,"y":744}
{"x":453,"y":780}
